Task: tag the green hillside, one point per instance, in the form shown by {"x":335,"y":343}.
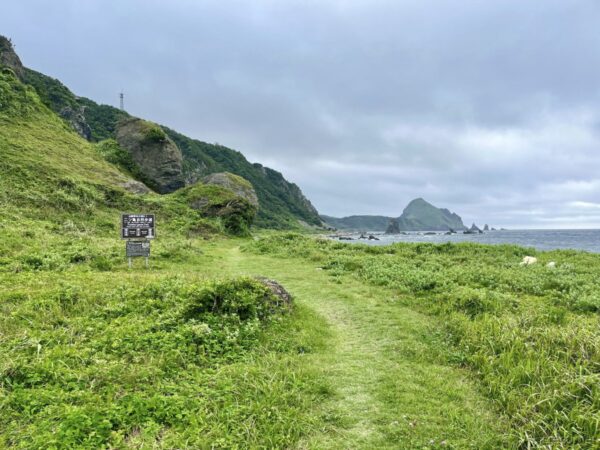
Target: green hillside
{"x":282,"y":204}
{"x":95,"y":355}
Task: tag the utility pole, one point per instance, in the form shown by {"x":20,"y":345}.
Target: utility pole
{"x":121,"y":97}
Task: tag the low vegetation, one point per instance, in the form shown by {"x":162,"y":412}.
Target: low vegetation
{"x":88,"y":367}
{"x":530,"y":334}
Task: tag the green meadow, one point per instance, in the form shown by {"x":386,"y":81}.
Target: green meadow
{"x":409,"y":346}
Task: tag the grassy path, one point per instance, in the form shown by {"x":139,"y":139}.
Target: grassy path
{"x":385,"y":362}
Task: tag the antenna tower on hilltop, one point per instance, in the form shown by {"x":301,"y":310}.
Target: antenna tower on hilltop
{"x":122,"y":103}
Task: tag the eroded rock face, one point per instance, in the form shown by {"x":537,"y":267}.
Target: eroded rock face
{"x":8,"y":57}
{"x":76,"y":118}
{"x":157,"y":156}
{"x":238,"y":185}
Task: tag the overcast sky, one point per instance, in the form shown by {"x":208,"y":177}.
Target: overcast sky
{"x":487,"y":107}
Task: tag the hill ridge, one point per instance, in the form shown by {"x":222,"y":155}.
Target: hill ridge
{"x":282,"y":203}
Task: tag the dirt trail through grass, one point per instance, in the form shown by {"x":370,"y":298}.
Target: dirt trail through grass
{"x":385,"y":363}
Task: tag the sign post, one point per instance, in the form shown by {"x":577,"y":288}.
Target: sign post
{"x":138,"y":230}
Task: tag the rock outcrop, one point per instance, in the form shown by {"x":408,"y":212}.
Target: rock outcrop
{"x":284,"y":298}
{"x":135,"y":187}
{"x":234,"y":183}
{"x":236,"y":205}
{"x":157,"y":156}
{"x":473,"y":230}
{"x":8,"y":58}
{"x":75,"y":116}
{"x":393,"y":227}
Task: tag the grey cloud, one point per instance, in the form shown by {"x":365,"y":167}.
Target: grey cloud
{"x":488,"y":108}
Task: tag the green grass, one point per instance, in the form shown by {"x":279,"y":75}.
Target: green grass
{"x":530,"y":335}
{"x":392,"y":384}
{"x":407,"y":346}
{"x":97,"y":356}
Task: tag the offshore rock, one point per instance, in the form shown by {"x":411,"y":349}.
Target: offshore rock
{"x":393,"y":227}
{"x":420,"y":215}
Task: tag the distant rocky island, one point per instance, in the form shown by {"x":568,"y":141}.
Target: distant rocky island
{"x":419,"y":215}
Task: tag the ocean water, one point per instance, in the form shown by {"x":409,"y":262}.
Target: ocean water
{"x":588,"y":240}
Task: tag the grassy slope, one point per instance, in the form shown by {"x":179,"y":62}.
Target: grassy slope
{"x":281,"y":202}
{"x":392,"y":384}
{"x":95,"y":355}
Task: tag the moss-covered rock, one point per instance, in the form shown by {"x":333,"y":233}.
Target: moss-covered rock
{"x":156,"y":156}
{"x":236,"y":211}
{"x":235,"y":183}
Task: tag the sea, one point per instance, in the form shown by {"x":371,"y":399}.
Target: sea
{"x":587,"y":240}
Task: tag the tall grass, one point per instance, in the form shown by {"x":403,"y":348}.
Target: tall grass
{"x":530,"y":334}
{"x":170,"y":363}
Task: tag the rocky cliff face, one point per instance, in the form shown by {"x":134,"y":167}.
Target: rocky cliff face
{"x":157,"y":156}
{"x":75,"y":116}
{"x":8,"y":57}
{"x":282,"y":204}
{"x":52,"y":92}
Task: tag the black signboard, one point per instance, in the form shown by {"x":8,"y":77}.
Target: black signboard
{"x":136,"y":226}
{"x":135,"y":249}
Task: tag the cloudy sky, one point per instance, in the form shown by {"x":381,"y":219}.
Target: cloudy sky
{"x":490,"y":108}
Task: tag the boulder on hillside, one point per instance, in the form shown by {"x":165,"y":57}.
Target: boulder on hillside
{"x":157,"y":156}
{"x":237,"y":212}
{"x":234,"y":183}
{"x":135,"y":187}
